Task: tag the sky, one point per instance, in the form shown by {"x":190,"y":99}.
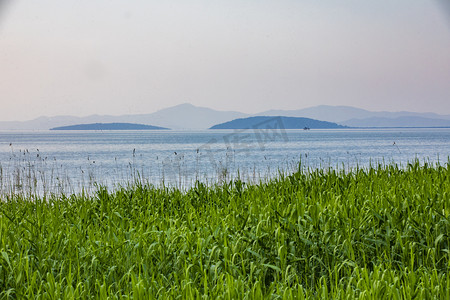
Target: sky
{"x":81,"y":57}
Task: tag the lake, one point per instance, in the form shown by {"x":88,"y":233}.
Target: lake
{"x":69,"y":161}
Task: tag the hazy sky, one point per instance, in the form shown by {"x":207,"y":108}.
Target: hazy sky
{"x":122,"y":57}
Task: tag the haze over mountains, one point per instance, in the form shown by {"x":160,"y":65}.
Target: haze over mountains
{"x":352,"y":116}
{"x":183,"y":116}
{"x":190,"y":117}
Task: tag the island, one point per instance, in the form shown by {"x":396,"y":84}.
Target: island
{"x":109,"y":126}
{"x":286,"y":122}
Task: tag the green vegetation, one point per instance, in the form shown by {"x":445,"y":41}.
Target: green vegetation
{"x":378,"y":233}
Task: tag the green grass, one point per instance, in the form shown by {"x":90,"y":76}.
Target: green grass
{"x":376,"y":233}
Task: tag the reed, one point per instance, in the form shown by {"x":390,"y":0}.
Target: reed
{"x":380,"y":232}
{"x":36,"y":174}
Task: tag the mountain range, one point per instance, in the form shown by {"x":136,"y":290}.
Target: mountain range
{"x":345,"y":114}
{"x":179,"y":117}
{"x":190,"y":117}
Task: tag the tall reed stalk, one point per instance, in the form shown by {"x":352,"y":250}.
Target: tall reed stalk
{"x":381,"y":232}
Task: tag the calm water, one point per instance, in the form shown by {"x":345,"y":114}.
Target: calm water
{"x":71,"y":160}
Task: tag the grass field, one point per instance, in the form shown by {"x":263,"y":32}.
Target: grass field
{"x":374,"y":233}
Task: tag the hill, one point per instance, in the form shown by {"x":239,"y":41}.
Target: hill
{"x":188,"y":116}
{"x":287,"y":122}
{"x":346,"y":114}
{"x":109,"y":126}
{"x":183,"y":116}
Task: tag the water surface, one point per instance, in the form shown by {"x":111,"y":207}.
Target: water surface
{"x":72,"y":160}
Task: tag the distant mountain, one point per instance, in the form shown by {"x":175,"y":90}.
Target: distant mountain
{"x":397,"y":122}
{"x":188,"y":116}
{"x":321,"y":112}
{"x":109,"y":126}
{"x":183,"y":116}
{"x":341,"y":114}
{"x":287,"y":123}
